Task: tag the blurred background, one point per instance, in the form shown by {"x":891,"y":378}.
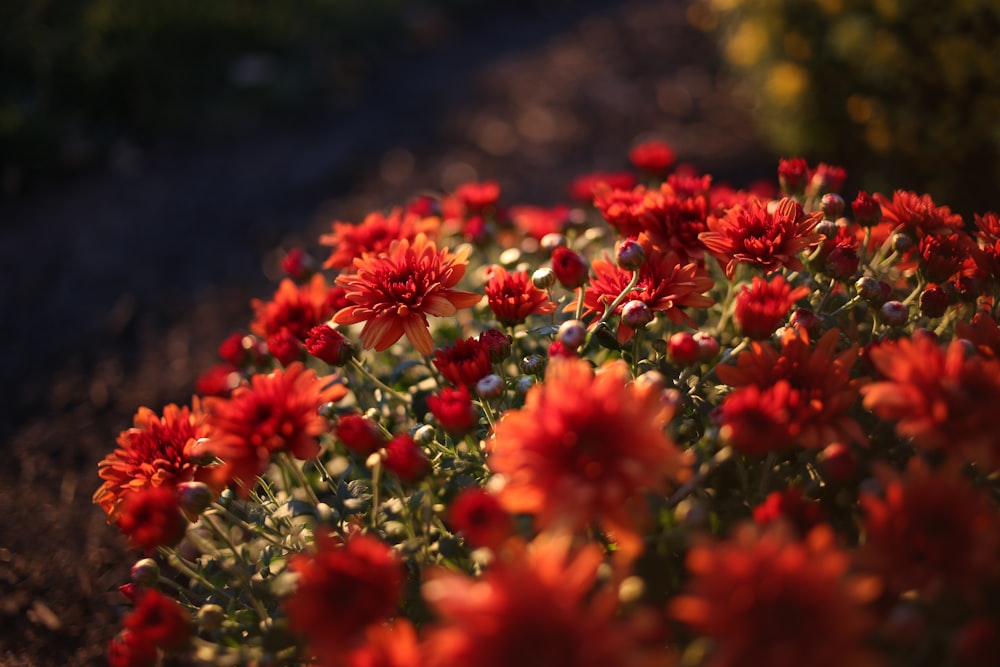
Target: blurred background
{"x":158,"y":158}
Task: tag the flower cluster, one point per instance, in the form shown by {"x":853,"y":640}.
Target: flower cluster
{"x":675,"y":423}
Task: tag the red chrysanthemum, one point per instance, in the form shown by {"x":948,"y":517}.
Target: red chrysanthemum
{"x":151,"y":517}
{"x":930,"y":532}
{"x":767,"y":599}
{"x":326,"y":343}
{"x":821,"y":389}
{"x":583,"y":188}
{"x":513,"y":297}
{"x":374,"y":235}
{"x":942,"y":398}
{"x":130,"y":650}
{"x":156,"y":451}
{"x":477,"y":197}
{"x":665,"y":285}
{"x":535,"y":608}
{"x":394,"y":292}
{"x":537,"y":221}
{"x":983,"y":332}
{"x":789,"y":505}
{"x":453,"y":410}
{"x":159,"y":620}
{"x":393,"y":644}
{"x":405,"y":459}
{"x":621,"y":208}
{"x":917,"y":215}
{"x":464,"y":363}
{"x":359,"y":434}
{"x":943,"y":256}
{"x":479,"y":518}
{"x":295,"y":308}
{"x":793,"y":175}
{"x":675,"y":216}
{"x":754,"y":235}
{"x":757,"y":421}
{"x":342,"y":589}
{"x":763,"y":306}
{"x":583,"y":446}
{"x":277,"y":412}
{"x":656,"y":157}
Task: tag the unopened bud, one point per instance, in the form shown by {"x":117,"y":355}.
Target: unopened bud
{"x":630,"y":255}
{"x":145,"y":572}
{"x":490,"y":386}
{"x":683,"y":349}
{"x":553,"y":240}
{"x":210,"y":617}
{"x":708,"y":346}
{"x":868,"y":288}
{"x":424,"y":435}
{"x":827,"y":228}
{"x":832,"y":205}
{"x":524,"y":383}
{"x":194,"y":497}
{"x":572,"y":333}
{"x":533,"y":364}
{"x":636,"y":314}
{"x":543,"y":278}
{"x":894,"y":313}
{"x":901,"y":242}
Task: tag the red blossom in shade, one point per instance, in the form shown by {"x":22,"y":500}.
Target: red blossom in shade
{"x":297,"y":265}
{"x":405,"y":458}
{"x":232,"y":350}
{"x":583,"y":447}
{"x":838,"y":255}
{"x":821,"y":389}
{"x":159,"y":620}
{"x":479,"y":517}
{"x":342,"y":589}
{"x":538,"y":608}
{"x":393,"y":644}
{"x":753,"y":235}
{"x":674,"y":217}
{"x":374,"y":235}
{"x":621,"y":208}
{"x":665,"y":285}
{"x":478,"y":197}
{"x":917,"y":215}
{"x":359,"y":434}
{"x":326,"y":343}
{"x":825,"y":178}
{"x":656,"y":157}
{"x":513,"y":297}
{"x":277,"y":412}
{"x":156,"y":451}
{"x":867,"y":210}
{"x":454,"y":411}
{"x":583,"y":188}
{"x":757,"y":421}
{"x":537,"y":221}
{"x":394,"y":292}
{"x":767,"y":599}
{"x":497,"y":343}
{"x":295,"y":308}
{"x":932,"y":532}
{"x":988,"y":235}
{"x":570,"y":267}
{"x":151,"y":517}
{"x":942,"y":398}
{"x":982,"y":332}
{"x":789,"y":505}
{"x":219,"y":380}
{"x":762,"y":307}
{"x":942,"y":256}
{"x":128,"y":649}
{"x":285,"y":347}
{"x":793,"y":175}
{"x":464,"y":363}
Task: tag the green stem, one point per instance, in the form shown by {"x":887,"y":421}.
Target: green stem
{"x":621,"y":297}
{"x":358,"y":366}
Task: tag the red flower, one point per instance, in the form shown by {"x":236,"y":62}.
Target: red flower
{"x":218,"y":380}
{"x":342,"y":589}
{"x":825,"y":178}
{"x":374,"y":236}
{"x":497,"y":343}
{"x":359,"y":434}
{"x":789,"y":505}
{"x":941,"y":398}
{"x":393,"y":644}
{"x":931,"y":532}
{"x":284,"y":346}
{"x":675,"y":216}
{"x":394,"y":292}
{"x":583,"y":188}
{"x":513,"y":297}
{"x":762,"y":307}
{"x":464,"y":363}
{"x":867,"y":210}
{"x":767,"y":599}
{"x":793,"y":175}
{"x":156,"y":451}
{"x":478,"y":197}
{"x":655,"y":157}
{"x":159,"y":620}
{"x":982,"y":332}
{"x":942,"y":256}
{"x":295,"y":308}
{"x":570,"y":267}
{"x":406,"y":459}
{"x":753,"y":235}
{"x":917,"y":215}
{"x":151,"y":517}
{"x":537,"y":221}
{"x":583,"y":446}
{"x":278,"y":412}
{"x":665,"y":285}
{"x":297,"y":265}
{"x":128,"y":649}
{"x":453,"y":410}
{"x":622,"y":208}
{"x":326,"y":343}
{"x":756,"y":421}
{"x":479,"y":517}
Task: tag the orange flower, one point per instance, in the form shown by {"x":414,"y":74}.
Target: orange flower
{"x":277,"y":412}
{"x":583,"y":446}
{"x":155,"y":451}
{"x":762,"y":307}
{"x":665,"y":285}
{"x":751,"y":234}
{"x":392,"y":645}
{"x":917,"y":214}
{"x":768,"y":599}
{"x":932,"y":532}
{"x":297,"y":309}
{"x":941,"y":398}
{"x":513,"y":297}
{"x":374,"y":235}
{"x":536,"y":607}
{"x":821,"y":390}
{"x":394,"y":292}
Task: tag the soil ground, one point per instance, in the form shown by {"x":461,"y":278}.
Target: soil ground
{"x":119,"y":284}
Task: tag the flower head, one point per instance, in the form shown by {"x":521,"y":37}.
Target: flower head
{"x":513,"y":297}
{"x":754,"y":235}
{"x":480,"y":518}
{"x":151,"y":517}
{"x":453,"y":410}
{"x":295,"y":308}
{"x":655,"y":157}
{"x":762,"y":307}
{"x":918,"y":215}
{"x":374,"y":235}
{"x":394,"y":292}
{"x":159,"y":620}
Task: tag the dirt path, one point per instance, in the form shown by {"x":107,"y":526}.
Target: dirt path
{"x":119,"y":285}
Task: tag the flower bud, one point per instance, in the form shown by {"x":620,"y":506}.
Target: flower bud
{"x":194,"y":498}
{"x":405,"y":458}
{"x":553,"y":240}
{"x":636,"y":314}
{"x":533,"y":364}
{"x":298,"y":265}
{"x":832,"y":205}
{"x":543,"y":278}
{"x":867,"y":210}
{"x":497,"y":343}
{"x":326,"y":343}
{"x":490,"y":386}
{"x":894,"y":313}
{"x":708,"y":346}
{"x":630,"y":255}
{"x":803,"y":318}
{"x":524,"y":383}
{"x":145,"y":572}
{"x":839,"y":463}
{"x":901,"y":242}
{"x":210,"y":617}
{"x":684,"y":349}
{"x":424,"y":435}
{"x":827,"y":228}
{"x":934,"y":301}
{"x":868,"y":288}
{"x":359,"y":434}
{"x":570,"y":267}
{"x":572,"y":333}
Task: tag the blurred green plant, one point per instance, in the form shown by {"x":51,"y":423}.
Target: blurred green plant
{"x":920,"y":80}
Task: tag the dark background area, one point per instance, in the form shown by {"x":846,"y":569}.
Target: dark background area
{"x":122,"y":273}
